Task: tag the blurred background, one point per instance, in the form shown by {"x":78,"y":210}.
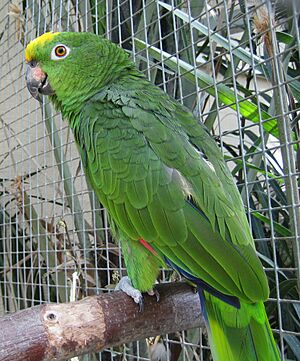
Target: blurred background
{"x":236,"y":65}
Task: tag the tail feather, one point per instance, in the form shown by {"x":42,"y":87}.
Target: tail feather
{"x":237,"y":331}
{"x":242,"y":334}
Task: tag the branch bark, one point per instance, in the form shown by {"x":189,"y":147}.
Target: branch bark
{"x":61,"y":331}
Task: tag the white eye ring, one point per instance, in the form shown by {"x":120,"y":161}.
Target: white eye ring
{"x":60,"y":51}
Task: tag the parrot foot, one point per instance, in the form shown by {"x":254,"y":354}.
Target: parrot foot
{"x":125,"y":286}
{"x":155,"y":293}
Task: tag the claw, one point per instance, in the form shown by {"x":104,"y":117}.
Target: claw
{"x":141,"y":304}
{"x":155,"y":293}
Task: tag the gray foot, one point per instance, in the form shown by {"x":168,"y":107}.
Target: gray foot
{"x":125,"y":285}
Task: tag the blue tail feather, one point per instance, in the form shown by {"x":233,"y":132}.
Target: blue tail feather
{"x":202,"y":285}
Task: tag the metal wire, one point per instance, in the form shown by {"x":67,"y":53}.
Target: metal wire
{"x":54,"y":232}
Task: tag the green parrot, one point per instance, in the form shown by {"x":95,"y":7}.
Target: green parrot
{"x":170,"y":196}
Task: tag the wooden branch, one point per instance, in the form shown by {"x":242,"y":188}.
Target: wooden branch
{"x":61,"y":331}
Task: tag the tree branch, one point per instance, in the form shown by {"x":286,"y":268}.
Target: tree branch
{"x":61,"y":331}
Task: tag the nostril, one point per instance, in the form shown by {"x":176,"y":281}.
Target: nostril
{"x":32,"y":63}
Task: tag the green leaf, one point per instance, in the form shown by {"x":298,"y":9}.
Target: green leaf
{"x":294,"y":344}
{"x":283,"y":37}
{"x":295,"y":87}
{"x":288,"y":289}
{"x":281,"y":230}
{"x":239,"y":163}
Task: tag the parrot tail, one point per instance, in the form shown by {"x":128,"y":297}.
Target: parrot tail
{"x":237,"y":331}
{"x":238,"y":334}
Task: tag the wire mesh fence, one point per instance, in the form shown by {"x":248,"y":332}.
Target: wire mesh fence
{"x":236,"y":65}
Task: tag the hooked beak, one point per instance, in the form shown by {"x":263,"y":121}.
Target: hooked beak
{"x":37,"y":81}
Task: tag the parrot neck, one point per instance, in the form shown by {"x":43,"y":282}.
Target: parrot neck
{"x":71,"y":98}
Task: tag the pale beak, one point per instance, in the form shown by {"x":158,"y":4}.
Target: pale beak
{"x":37,"y":81}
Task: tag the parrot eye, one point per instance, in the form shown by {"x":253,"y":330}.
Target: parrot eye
{"x":59,"y":52}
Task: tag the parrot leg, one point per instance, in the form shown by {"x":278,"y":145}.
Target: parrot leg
{"x":125,"y":286}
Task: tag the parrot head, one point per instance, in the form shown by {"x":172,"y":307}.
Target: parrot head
{"x":72,"y":67}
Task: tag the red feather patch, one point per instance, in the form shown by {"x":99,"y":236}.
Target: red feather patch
{"x":147,"y":245}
